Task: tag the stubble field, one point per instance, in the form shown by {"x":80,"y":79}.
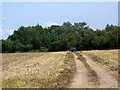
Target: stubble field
{"x":38,"y":70}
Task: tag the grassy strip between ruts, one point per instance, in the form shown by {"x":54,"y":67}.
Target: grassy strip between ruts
{"x":61,"y":80}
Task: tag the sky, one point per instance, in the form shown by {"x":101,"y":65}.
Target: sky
{"x":96,"y":14}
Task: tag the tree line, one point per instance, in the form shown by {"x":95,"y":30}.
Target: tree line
{"x":62,"y":38}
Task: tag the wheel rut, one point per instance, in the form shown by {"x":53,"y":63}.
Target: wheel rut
{"x":91,"y":75}
{"x":85,"y":77}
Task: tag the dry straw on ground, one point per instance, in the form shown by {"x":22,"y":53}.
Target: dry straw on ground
{"x":40,"y":70}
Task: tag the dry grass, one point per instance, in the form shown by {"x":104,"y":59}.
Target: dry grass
{"x":18,"y":57}
{"x":105,"y":57}
{"x":38,"y":70}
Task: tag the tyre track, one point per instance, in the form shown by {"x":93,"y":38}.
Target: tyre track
{"x":91,"y":75}
{"x":106,"y":79}
{"x":85,"y":77}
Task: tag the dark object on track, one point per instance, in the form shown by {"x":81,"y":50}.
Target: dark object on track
{"x":73,"y":49}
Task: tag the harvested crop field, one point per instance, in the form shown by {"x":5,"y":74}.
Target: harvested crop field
{"x":38,"y":70}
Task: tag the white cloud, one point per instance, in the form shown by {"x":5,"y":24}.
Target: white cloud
{"x":6,"y":33}
{"x":48,"y":24}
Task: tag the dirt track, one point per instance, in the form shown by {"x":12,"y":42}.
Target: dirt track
{"x":92,"y":75}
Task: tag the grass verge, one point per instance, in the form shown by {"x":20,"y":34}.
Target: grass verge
{"x":68,"y":72}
